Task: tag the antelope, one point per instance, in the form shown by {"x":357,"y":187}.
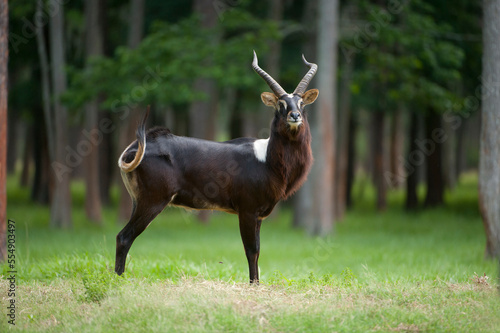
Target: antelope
{"x":244,"y":176}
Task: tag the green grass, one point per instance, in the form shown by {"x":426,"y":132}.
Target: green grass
{"x":389,"y":271}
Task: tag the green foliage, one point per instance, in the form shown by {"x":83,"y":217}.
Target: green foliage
{"x":403,"y":59}
{"x":164,"y":66}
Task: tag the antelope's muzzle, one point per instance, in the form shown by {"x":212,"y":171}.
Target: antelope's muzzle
{"x":294,"y":119}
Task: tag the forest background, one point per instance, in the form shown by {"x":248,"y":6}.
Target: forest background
{"x":405,"y":131}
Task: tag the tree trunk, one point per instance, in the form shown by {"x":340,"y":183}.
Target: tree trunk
{"x":12,"y":141}
{"x":27,"y":157}
{"x":432,"y":146}
{"x":107,"y":162}
{"x":412,"y":164}
{"x":303,"y":205}
{"x":234,"y":102}
{"x":44,"y":144}
{"x":396,"y":147}
{"x":460,"y":148}
{"x":351,"y":160}
{"x":273,"y":59}
{"x":324,"y":121}
{"x":378,"y":119}
{"x":449,"y":157}
{"x":128,"y":128}
{"x":41,"y":180}
{"x":203,"y":114}
{"x":272,"y":65}
{"x":4,"y":56}
{"x":343,"y":137}
{"x":60,"y":214}
{"x":489,"y":164}
{"x":94,"y":47}
{"x":107,"y":158}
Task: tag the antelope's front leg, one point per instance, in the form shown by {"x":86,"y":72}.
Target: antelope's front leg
{"x":250,"y":234}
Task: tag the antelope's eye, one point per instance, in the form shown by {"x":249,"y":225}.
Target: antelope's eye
{"x":283,"y":103}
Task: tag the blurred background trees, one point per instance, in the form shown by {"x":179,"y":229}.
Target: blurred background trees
{"x":4,"y":19}
{"x":398,"y":87}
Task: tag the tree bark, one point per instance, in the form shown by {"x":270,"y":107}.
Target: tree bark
{"x":449,"y":157}
{"x":303,"y":205}
{"x":107,"y":159}
{"x":94,"y":47}
{"x":40,"y":191}
{"x":12,"y":141}
{"x":203,"y":114}
{"x":107,"y":162}
{"x":460,"y":148}
{"x":378,"y":119}
{"x":396,"y":147}
{"x":128,"y":128}
{"x":4,"y":56}
{"x":272,"y":64}
{"x":44,"y":136}
{"x":27,"y":157}
{"x":351,"y":160}
{"x":489,"y":164}
{"x":60,"y":214}
{"x":324,"y":120}
{"x":411,"y":166}
{"x":432,"y":146}
{"x":273,"y":59}
{"x":343,"y":140}
{"x":234,"y":101}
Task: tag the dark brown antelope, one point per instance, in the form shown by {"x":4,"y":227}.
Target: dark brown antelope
{"x":243,"y":176}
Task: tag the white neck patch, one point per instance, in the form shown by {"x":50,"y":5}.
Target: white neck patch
{"x":260,"y":149}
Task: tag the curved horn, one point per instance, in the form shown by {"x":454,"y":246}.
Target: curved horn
{"x":301,"y":87}
{"x":275,"y":87}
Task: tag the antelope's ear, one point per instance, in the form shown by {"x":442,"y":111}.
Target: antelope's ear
{"x":310,"y":96}
{"x":269,"y":99}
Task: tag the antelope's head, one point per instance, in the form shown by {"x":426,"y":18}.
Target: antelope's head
{"x":289,"y":107}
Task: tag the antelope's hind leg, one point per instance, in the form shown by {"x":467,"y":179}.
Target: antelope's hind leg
{"x":143,"y":213}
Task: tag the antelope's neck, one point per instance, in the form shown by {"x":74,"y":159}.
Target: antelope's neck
{"x":290,"y":161}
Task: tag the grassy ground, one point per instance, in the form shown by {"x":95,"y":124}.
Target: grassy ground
{"x":385,"y":272}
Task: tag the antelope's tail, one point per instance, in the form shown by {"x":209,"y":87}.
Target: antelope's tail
{"x":141,"y":140}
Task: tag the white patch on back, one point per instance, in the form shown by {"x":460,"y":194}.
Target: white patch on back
{"x":260,"y":149}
